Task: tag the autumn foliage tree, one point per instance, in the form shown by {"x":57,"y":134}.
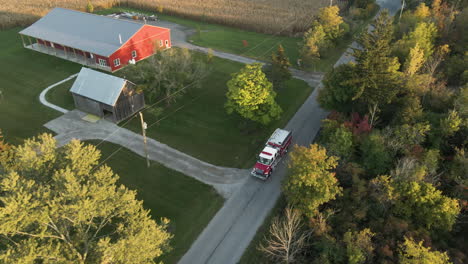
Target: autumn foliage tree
{"x":280,"y":67}
{"x":311,"y":182}
{"x":326,"y":29}
{"x":251,"y":95}
{"x":413,"y":252}
{"x":331,"y":21}
{"x":359,"y":246}
{"x":58,"y":206}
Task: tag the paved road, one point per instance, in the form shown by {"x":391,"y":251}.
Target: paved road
{"x":229,"y":233}
{"x":71,"y":125}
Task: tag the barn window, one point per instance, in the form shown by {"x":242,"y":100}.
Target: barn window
{"x":102,"y":62}
{"x":167,"y":42}
{"x":117,"y":62}
{"x":160,"y":43}
{"x":134,"y":54}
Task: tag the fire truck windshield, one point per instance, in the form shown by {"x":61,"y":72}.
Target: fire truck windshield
{"x":264,"y":160}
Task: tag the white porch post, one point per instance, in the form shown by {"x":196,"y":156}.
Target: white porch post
{"x":30,"y":42}
{"x":22,"y":40}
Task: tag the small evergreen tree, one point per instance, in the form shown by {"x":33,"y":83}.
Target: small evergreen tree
{"x":280,"y":67}
{"x":376,"y":73}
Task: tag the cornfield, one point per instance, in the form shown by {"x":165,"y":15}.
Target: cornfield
{"x":285,"y":17}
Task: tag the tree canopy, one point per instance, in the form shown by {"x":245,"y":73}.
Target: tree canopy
{"x":280,"y":67}
{"x":413,"y":252}
{"x":376,"y":75}
{"x":251,"y":95}
{"x":311,"y":182}
{"x":57,"y":205}
{"x":168,"y":74}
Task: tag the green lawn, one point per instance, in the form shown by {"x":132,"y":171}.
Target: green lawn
{"x":60,"y":95}
{"x":24,"y":74}
{"x":186,"y":202}
{"x":197,"y":124}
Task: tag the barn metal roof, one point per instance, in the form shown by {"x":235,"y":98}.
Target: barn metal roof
{"x":84,"y":31}
{"x":98,"y":86}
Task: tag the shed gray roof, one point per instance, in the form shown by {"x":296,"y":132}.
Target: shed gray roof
{"x":98,"y":86}
{"x":84,"y":31}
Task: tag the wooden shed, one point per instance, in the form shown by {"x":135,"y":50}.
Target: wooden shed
{"x":95,"y":41}
{"x":106,"y":96}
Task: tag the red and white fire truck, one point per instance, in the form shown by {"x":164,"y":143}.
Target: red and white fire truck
{"x":275,"y":148}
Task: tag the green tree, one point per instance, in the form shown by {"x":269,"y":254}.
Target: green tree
{"x":376,"y":74}
{"x":58,"y":206}
{"x":168,"y":74}
{"x":413,"y":252}
{"x":403,"y":138}
{"x":251,"y":95}
{"x":376,"y":158}
{"x":336,"y":138}
{"x":461,"y":104}
{"x":89,"y":7}
{"x":410,"y":111}
{"x":458,"y":172}
{"x":451,"y":123}
{"x":280,"y":66}
{"x":423,"y":35}
{"x":310,"y":182}
{"x":337,"y":93}
{"x":424,"y":205}
{"x":359,"y":247}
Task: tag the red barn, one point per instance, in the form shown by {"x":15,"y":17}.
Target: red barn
{"x":96,"y":41}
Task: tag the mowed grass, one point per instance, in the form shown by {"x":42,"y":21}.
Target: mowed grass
{"x":186,"y":202}
{"x":23,"y":75}
{"x":60,"y":95}
{"x":197,"y":124}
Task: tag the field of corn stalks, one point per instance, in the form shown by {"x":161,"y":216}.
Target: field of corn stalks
{"x":285,"y":17}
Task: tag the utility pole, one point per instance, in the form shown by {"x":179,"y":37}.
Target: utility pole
{"x":144,"y":126}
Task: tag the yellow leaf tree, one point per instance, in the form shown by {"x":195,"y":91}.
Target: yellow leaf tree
{"x":311,"y":182}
